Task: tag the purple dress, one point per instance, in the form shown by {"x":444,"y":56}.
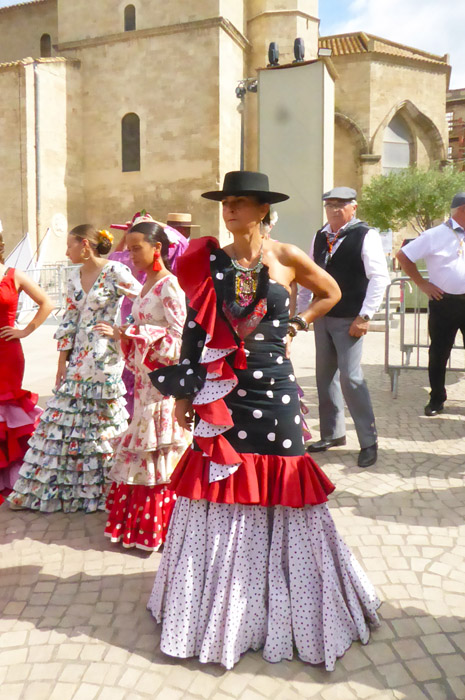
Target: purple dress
{"x":123,"y":256}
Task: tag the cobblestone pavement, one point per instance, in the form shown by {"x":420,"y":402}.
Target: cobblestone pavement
{"x":74,"y":623}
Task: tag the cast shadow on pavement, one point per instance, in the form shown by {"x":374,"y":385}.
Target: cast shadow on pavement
{"x":421,"y":507}
{"x":80,"y":531}
{"x":403,"y":417}
{"x":409,"y":465}
{"x":73,"y":608}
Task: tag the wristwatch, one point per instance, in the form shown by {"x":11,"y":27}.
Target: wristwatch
{"x":365,"y":317}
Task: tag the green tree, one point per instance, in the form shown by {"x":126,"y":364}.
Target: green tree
{"x":410,"y":196}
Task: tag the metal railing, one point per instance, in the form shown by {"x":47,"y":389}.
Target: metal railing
{"x":53,"y":279}
{"x":411,"y":352}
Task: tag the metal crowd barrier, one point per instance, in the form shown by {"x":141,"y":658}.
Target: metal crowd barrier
{"x":406,"y":346}
{"x":53,"y":279}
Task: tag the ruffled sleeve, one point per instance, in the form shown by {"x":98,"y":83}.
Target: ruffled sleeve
{"x":161,"y":344}
{"x":188,"y":377}
{"x":125,"y":283}
{"x":66,"y":331}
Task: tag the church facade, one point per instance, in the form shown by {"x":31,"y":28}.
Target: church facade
{"x":109,"y":107}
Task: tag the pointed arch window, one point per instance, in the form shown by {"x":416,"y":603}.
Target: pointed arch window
{"x":130,"y":142}
{"x":45,"y":46}
{"x":129,"y":18}
{"x":397,"y":145}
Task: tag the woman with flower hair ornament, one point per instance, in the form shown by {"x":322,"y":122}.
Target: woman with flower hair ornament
{"x":140,"y":501}
{"x":67,"y":463}
{"x":177,"y":245}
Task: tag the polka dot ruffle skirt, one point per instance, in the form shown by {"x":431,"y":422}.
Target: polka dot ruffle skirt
{"x":237,"y":577}
{"x":139,"y":516}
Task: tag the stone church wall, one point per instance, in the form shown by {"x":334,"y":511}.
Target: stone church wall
{"x":370,"y":90}
{"x":181,"y":117}
{"x":86,"y":19}
{"x":22,"y":27}
{"x":13,"y":201}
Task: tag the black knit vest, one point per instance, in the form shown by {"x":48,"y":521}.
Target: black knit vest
{"x":346,"y":266}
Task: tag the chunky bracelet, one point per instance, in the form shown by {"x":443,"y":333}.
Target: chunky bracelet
{"x":301,"y":322}
{"x":291,"y":330}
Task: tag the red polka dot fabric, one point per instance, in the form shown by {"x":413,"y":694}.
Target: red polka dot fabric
{"x":139,"y":516}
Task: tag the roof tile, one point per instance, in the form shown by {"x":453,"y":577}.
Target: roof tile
{"x":360,"y":42}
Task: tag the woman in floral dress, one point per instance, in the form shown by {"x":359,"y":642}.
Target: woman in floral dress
{"x":178,"y":244}
{"x":67,"y":463}
{"x":140,"y":503}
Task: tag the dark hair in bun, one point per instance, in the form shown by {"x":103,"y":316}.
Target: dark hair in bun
{"x":100,"y":241}
{"x":154,"y":233}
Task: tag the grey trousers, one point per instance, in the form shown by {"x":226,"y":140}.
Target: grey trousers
{"x":339,"y":374}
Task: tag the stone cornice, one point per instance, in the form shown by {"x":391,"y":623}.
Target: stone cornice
{"x":369,"y":158}
{"x":211,"y":23}
{"x":271,"y":13}
{"x":39,"y":61}
{"x":381,"y":57}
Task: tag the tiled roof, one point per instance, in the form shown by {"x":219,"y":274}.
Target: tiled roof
{"x":20,"y":4}
{"x":457,"y":94}
{"x":361,"y":42}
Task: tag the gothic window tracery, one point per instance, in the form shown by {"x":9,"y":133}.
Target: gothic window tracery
{"x":397,"y":145}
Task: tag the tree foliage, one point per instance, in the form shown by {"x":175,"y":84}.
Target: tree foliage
{"x":411,"y":196}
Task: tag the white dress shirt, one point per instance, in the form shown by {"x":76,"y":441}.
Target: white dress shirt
{"x":376,"y":270}
{"x":440,"y":247}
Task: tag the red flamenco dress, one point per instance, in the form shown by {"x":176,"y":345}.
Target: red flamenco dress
{"x":252,"y":558}
{"x":19,"y":413}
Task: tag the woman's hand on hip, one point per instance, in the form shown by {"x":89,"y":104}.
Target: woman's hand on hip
{"x":9,"y":333}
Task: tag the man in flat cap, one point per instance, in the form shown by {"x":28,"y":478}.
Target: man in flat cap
{"x":351,"y":252}
{"x":443,"y":250}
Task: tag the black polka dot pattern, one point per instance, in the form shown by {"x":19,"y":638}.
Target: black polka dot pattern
{"x":237,"y":577}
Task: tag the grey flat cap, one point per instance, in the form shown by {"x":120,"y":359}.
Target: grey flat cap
{"x":341,"y":193}
{"x":458,"y":201}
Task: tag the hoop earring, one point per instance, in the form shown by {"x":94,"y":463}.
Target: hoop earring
{"x":88,"y":256}
{"x":156,"y":267}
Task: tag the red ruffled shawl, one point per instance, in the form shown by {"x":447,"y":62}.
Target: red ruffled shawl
{"x":266,"y":480}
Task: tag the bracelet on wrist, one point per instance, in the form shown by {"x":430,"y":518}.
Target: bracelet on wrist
{"x":292,"y":331}
{"x":301,"y":322}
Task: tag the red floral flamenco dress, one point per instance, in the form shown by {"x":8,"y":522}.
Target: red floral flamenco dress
{"x":140,"y":501}
{"x":252,"y":558}
{"x":19,"y":413}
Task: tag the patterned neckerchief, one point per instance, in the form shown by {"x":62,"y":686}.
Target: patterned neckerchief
{"x":332,"y":237}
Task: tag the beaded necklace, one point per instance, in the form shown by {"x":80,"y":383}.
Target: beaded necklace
{"x":246,"y":280}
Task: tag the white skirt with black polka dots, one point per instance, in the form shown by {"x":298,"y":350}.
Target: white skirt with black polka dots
{"x":238,"y":577}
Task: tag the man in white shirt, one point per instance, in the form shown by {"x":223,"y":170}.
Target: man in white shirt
{"x":442,"y":248}
{"x":352,"y":253}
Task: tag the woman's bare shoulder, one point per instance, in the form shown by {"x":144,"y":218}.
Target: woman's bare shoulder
{"x":286,"y":253}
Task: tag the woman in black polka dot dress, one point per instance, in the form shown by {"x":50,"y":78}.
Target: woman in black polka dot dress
{"x":252,"y":557}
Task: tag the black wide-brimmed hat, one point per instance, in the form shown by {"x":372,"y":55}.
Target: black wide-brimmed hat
{"x":246,"y":183}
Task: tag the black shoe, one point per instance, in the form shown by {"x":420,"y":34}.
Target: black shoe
{"x":323,"y":445}
{"x":368,"y":456}
{"x":432,"y":409}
